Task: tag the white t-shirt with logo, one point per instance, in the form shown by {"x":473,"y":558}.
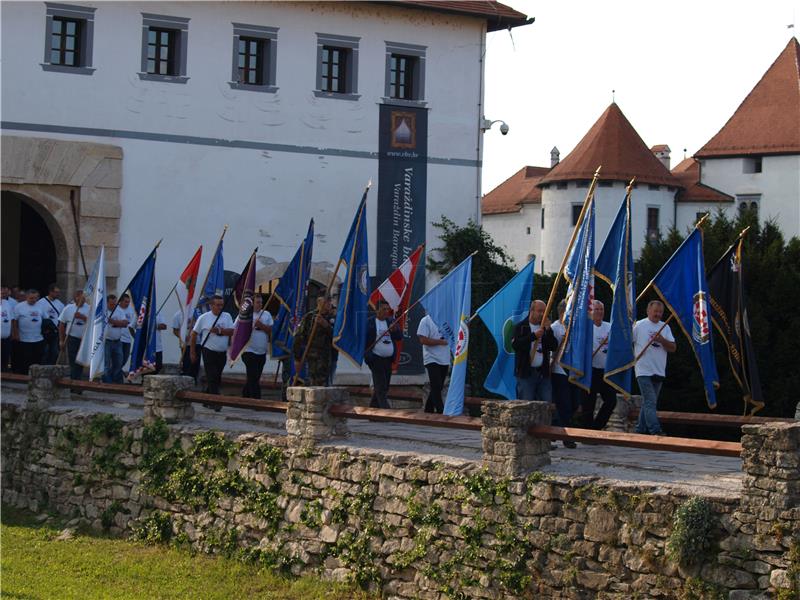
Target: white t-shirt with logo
{"x":29,"y":321}
{"x":559,"y":331}
{"x":7,"y":312}
{"x":67,"y":316}
{"x":439,"y":355}
{"x":48,"y":311}
{"x":539,"y":358}
{"x":258,"y":339}
{"x":383,"y":345}
{"x":132,"y":317}
{"x":113,"y":332}
{"x":203,"y":326}
{"x":600,"y":344}
{"x":654,"y":360}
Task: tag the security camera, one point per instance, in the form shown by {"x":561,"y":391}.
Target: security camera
{"x":504,"y":129}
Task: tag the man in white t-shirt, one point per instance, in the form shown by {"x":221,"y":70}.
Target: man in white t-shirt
{"x":566,"y":396}
{"x":600,"y":331}
{"x":161,"y":325}
{"x":26,"y":330}
{"x":436,"y":358}
{"x":255,"y":355}
{"x":651,"y":367}
{"x":71,"y":326}
{"x":212,"y":332}
{"x":187,"y":366}
{"x":116,"y":324}
{"x":126,"y":338}
{"x":50,"y":306}
{"x":379,"y":355}
{"x":6,"y":310}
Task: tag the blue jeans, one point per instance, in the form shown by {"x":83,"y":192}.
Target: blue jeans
{"x":113,"y":366}
{"x":534,"y":387}
{"x":648,"y":419}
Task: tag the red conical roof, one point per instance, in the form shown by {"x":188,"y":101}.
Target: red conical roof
{"x":768,"y":120}
{"x":613,"y":143}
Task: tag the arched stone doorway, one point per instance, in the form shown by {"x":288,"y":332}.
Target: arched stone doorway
{"x":31,"y":245}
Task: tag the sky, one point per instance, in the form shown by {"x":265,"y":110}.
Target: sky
{"x":679,"y":70}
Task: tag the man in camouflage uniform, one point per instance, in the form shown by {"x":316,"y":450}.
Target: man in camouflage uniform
{"x":318,"y":357}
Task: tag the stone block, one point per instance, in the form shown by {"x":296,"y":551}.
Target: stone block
{"x":508,"y":450}
{"x":160,"y":399}
{"x":42,"y":387}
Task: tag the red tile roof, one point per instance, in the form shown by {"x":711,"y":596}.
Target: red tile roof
{"x":688,"y":173}
{"x":660,"y":148}
{"x":519,"y":189}
{"x":613,"y":143}
{"x":498,"y":16}
{"x":768,"y":120}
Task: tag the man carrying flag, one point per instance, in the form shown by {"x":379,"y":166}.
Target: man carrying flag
{"x":92,"y":351}
{"x":184,"y":292}
{"x":448,"y":305}
{"x":143,"y":295}
{"x":243,"y":296}
{"x":729,"y":315}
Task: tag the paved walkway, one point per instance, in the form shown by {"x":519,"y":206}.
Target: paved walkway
{"x":691,"y":473}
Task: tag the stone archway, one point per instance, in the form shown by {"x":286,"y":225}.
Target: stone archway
{"x":55,"y":175}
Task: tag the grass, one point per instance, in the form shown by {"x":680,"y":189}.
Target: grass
{"x":34,"y":565}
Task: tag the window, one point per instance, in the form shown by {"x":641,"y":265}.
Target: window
{"x":576,"y":213}
{"x":68,"y":39}
{"x":748,"y":202}
{"x":561,"y":185}
{"x":543,"y":217}
{"x":698,"y":216}
{"x":405,"y":73}
{"x":165,"y":42}
{"x":653,"y":187}
{"x":582,"y":183}
{"x":528,"y":230}
{"x":653,"y":232}
{"x":605,"y":183}
{"x":254,"y":58}
{"x":337,"y":66}
{"x":752,"y":165}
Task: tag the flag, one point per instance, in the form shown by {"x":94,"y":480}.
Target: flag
{"x":350,"y":327}
{"x":576,"y":358}
{"x":143,"y":296}
{"x":184,"y":291}
{"x":92,"y":350}
{"x":291,"y":292}
{"x":500,"y":313}
{"x":396,"y":290}
{"x":614,"y":265}
{"x":681,"y":284}
{"x":214,"y":283}
{"x":448,"y":304}
{"x":243,"y":295}
{"x":729,"y":315}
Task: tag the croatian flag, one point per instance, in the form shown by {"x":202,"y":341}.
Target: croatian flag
{"x":184,"y":290}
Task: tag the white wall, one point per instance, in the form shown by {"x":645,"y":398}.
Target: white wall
{"x":778,"y":184}
{"x":510,"y":231}
{"x":186,"y":192}
{"x":687,"y":212}
{"x":558,"y":216}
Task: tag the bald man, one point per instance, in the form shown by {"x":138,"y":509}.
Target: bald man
{"x":533,"y":341}
{"x":600,"y":331}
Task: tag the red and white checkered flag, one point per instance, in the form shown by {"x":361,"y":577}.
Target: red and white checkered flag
{"x":396,"y":290}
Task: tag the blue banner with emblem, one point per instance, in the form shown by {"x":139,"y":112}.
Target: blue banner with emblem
{"x":500,"y":313}
{"x":291,"y":292}
{"x":681,"y":284}
{"x":143,"y":296}
{"x":350,"y":327}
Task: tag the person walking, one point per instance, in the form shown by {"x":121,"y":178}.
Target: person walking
{"x":379,"y":352}
{"x":51,"y":307}
{"x":71,"y":326}
{"x":255,"y":355}
{"x":26,"y":331}
{"x":436,"y":358}
{"x":214,"y":330}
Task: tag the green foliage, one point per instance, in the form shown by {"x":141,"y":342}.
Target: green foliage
{"x":107,"y":516}
{"x":156,"y":528}
{"x":771,"y":269}
{"x":697,"y":589}
{"x":690,"y":539}
{"x":102,"y":437}
{"x":311,"y":515}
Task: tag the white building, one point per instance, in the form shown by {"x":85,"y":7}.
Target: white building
{"x":171,"y":119}
{"x":753,"y":163}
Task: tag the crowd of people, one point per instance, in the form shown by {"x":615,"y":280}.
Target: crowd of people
{"x":39,"y":330}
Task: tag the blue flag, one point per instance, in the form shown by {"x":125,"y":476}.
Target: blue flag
{"x":448,"y":304}
{"x":500,"y":313}
{"x":578,"y":340}
{"x":681,"y":284}
{"x":143,"y":296}
{"x":215,"y":282}
{"x":291,"y":292}
{"x":350,"y":328}
{"x":614,"y":265}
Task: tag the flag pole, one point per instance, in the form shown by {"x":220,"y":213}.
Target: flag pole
{"x":214,"y":324}
{"x":166,"y":299}
{"x":314,"y":325}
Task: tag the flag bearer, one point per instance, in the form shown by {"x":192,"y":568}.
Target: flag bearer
{"x":318,"y":356}
{"x":212,"y":331}
{"x":600,"y":331}
{"x":71,"y":325}
{"x":255,"y":356}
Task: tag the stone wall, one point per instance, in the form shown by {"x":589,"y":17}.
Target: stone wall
{"x":409,"y":526}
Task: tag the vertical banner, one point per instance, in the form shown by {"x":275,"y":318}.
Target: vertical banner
{"x":402,"y":202}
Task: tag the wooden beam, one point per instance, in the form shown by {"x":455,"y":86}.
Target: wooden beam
{"x":710,"y":420}
{"x":408,"y":417}
{"x":96,"y":386}
{"x":15,"y":377}
{"x":233,"y":401}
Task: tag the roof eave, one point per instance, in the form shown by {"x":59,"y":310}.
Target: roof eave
{"x":493,"y":22}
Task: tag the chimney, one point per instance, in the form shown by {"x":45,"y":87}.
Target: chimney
{"x":554,"y":156}
{"x":662,"y":153}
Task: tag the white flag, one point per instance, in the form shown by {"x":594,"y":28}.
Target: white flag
{"x":92,"y":350}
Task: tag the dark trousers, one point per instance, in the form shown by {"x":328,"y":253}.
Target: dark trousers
{"x":213,"y":362}
{"x":5,"y":354}
{"x":565,"y":397}
{"x":75,"y":370}
{"x":254,"y":363}
{"x":126,"y":352}
{"x":188,"y":367}
{"x":381,"y":368}
{"x":50,"y":350}
{"x":436,"y":376}
{"x":30,"y":353}
{"x":113,"y":362}
{"x":609,"y":396}
{"x":159,"y":362}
